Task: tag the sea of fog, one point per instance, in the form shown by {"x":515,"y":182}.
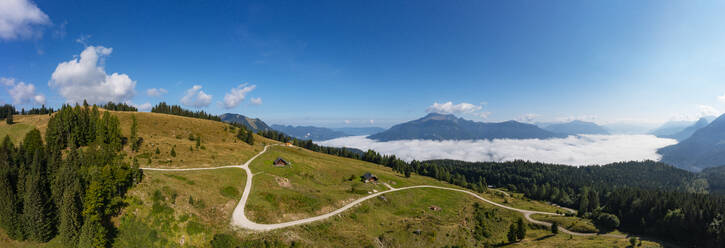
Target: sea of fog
{"x":573,"y":150}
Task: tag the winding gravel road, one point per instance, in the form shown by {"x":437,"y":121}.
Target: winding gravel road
{"x":239,"y":219}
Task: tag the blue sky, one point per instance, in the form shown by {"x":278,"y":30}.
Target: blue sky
{"x":344,"y":63}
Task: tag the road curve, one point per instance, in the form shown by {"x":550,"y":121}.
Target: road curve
{"x":239,"y":218}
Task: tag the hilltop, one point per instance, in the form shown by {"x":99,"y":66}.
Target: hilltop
{"x":255,"y":124}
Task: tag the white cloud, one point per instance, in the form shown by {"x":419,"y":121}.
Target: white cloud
{"x":20,"y":19}
{"x":85,"y":78}
{"x":721,"y":98}
{"x":196,"y":98}
{"x":372,"y":122}
{"x":236,"y":95}
{"x":573,"y":150}
{"x":7,"y":81}
{"x":705,"y":110}
{"x":461,"y":108}
{"x":23,"y":93}
{"x":589,"y":118}
{"x":154,"y":92}
{"x":143,"y":107}
{"x":527,"y":118}
{"x":256,"y":101}
{"x":347,"y":121}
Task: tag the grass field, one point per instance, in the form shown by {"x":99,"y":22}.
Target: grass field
{"x":168,"y":207}
{"x":400,"y":219}
{"x":218,"y":145}
{"x":313,"y":184}
{"x":542,"y":237}
{"x":518,"y":200}
{"x":22,"y":125}
{"x":571,"y":223}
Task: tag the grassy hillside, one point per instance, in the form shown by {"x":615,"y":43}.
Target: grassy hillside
{"x":168,"y":207}
{"x":218,"y":145}
{"x":22,"y":125}
{"x":313,"y":184}
{"x":190,"y":208}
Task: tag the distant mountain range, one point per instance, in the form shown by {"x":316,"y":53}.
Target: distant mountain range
{"x":323,"y":133}
{"x":670,"y":128}
{"x":356,"y":131}
{"x":309,"y":132}
{"x":688,"y":131}
{"x":574,"y":127}
{"x":449,"y":127}
{"x":704,"y":149}
{"x":255,"y":124}
{"x":681,"y":130}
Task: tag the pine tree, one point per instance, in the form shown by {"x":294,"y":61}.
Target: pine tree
{"x":511,"y":235}
{"x":520,"y":229}
{"x":37,"y":208}
{"x":554,"y":228}
{"x":173,"y":152}
{"x":70,"y":214}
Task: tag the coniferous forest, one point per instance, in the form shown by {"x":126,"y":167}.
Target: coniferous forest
{"x":164,"y":108}
{"x":68,"y":186}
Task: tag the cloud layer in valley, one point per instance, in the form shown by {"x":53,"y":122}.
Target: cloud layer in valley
{"x":573,"y":150}
{"x":85,"y":78}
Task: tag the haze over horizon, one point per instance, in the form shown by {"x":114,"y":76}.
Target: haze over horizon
{"x":639,"y":63}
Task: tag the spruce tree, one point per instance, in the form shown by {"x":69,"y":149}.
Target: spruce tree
{"x":9,"y":118}
{"x":8,"y":205}
{"x":520,"y":229}
{"x":173,"y":152}
{"x":70,"y":214}
{"x":37,"y":208}
{"x":511,"y":235}
{"x":93,"y":233}
{"x":554,"y":228}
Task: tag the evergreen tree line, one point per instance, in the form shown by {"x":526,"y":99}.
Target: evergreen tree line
{"x":7,"y":110}
{"x":37,"y":111}
{"x":164,"y":108}
{"x":116,"y":106}
{"x":56,"y":189}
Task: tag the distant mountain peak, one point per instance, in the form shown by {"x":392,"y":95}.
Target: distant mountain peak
{"x":436,"y":126}
{"x":438,"y":117}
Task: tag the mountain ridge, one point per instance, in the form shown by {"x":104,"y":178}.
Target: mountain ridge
{"x":449,"y":127}
{"x":255,"y":124}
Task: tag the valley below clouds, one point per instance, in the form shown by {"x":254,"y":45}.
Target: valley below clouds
{"x":572,"y":150}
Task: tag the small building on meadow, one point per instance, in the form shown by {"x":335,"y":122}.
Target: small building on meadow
{"x":280,"y":162}
{"x":369,"y":177}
